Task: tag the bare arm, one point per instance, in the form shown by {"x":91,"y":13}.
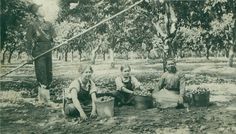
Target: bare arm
{"x":121,"y":87}
{"x":119,"y":84}
{"x":182,"y":86}
{"x":127,"y":90}
{"x":93,"y":96}
{"x":137,"y":84}
{"x":92,"y":92}
{"x":161,"y":83}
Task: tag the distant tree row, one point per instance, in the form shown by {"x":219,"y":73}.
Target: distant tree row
{"x":165,"y":28}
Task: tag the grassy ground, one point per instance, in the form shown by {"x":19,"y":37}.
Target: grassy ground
{"x":19,"y":114}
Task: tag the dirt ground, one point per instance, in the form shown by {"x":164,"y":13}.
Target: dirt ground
{"x":19,"y":114}
{"x":26,"y":118}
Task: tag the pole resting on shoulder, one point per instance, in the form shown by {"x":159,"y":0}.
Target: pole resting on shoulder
{"x":66,"y":42}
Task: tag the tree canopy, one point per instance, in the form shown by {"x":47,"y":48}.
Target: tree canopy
{"x":181,"y":25}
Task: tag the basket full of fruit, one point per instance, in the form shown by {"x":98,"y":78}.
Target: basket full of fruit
{"x":105,"y":106}
{"x":200,"y":96}
{"x":143,"y":100}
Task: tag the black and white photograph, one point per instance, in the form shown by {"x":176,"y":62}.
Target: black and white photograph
{"x":118,"y":67}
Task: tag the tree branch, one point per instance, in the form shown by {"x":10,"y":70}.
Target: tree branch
{"x":158,"y":29}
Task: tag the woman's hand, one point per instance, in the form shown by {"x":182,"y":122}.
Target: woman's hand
{"x":132,"y":92}
{"x":180,"y":100}
{"x":93,"y":114}
{"x":83,"y":116}
{"x":124,"y":89}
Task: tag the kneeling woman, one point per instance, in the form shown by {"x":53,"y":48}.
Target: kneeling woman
{"x":171,"y":87}
{"x":81,"y":95}
{"x":126,"y":85}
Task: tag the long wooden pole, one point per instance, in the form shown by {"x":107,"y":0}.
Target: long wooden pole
{"x":65,"y":42}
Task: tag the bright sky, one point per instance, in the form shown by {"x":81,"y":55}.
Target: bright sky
{"x":50,"y":8}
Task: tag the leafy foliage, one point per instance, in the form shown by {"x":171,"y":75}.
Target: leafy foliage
{"x":182,"y":25}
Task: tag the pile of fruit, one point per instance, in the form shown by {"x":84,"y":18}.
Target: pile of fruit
{"x":104,"y":99}
{"x":142,"y":93}
{"x":201,"y":90}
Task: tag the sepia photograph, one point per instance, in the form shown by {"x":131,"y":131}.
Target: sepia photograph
{"x":118,"y":67}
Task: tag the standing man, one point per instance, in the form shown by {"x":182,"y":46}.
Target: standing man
{"x":40,"y":34}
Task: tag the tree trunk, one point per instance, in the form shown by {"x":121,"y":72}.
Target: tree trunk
{"x":66,"y":54}
{"x":80,"y":56}
{"x":19,"y":55}
{"x":199,"y":53}
{"x":9,"y":58}
{"x":57,"y":54}
{"x":127,"y":55}
{"x":93,"y":57}
{"x":207,"y":52}
{"x":94,"y":54}
{"x":111,"y":54}
{"x":232,"y":49}
{"x":60,"y":55}
{"x":72,"y":55}
{"x":3,"y":57}
{"x":143,"y":51}
{"x":164,"y":61}
{"x":142,"y":55}
{"x":218,"y":53}
{"x":231,"y":56}
{"x":104,"y":56}
{"x":147,"y":56}
{"x":226,"y":52}
{"x":196,"y":54}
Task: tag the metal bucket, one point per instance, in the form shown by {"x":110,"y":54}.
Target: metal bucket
{"x":143,"y":102}
{"x":105,"y":108}
{"x":201,"y":100}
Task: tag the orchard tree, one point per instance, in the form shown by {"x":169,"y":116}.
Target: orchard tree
{"x":224,"y":25}
{"x":92,"y":12}
{"x":15,"y":42}
{"x":14,"y":20}
{"x":82,"y":12}
{"x":169,"y":16}
{"x":164,"y":21}
{"x":190,"y":40}
{"x":66,"y":30}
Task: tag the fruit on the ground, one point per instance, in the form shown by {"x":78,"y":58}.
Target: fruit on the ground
{"x":142,"y":93}
{"x":104,"y":99}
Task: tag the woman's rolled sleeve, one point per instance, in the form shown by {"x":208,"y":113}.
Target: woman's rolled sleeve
{"x":93,"y":88}
{"x":74,"y":84}
{"x":135,"y":82}
{"x":119,"y":84}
